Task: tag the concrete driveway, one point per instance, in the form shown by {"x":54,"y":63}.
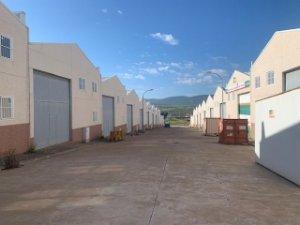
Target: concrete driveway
{"x":165,"y":177}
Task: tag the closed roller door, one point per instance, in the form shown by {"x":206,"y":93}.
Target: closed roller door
{"x":108,"y":115}
{"x":51,"y":109}
{"x":129,"y":118}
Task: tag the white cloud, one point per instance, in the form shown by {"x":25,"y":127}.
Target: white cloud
{"x":219,"y":58}
{"x":130,"y":76}
{"x":219,"y":71}
{"x":189,"y":65}
{"x":192,"y":80}
{"x":175,"y":65}
{"x":120,"y":12}
{"x":163,"y":68}
{"x":203,"y":77}
{"x":188,"y":80}
{"x":166,"y":38}
{"x":150,"y":70}
{"x":141,"y":77}
{"x":104,"y":10}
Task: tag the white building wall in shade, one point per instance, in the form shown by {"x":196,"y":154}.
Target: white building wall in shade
{"x":277,"y":132}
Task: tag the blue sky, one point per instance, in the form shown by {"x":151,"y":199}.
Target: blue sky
{"x":166,"y":45}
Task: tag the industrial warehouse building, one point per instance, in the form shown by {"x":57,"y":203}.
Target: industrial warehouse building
{"x":113,"y":105}
{"x":156,"y":113}
{"x":238,"y":96}
{"x":65,"y":99}
{"x":277,"y":68}
{"x":202,"y":114}
{"x":147,"y":118}
{"x":209,"y":107}
{"x":219,"y":103}
{"x":143,"y":114}
{"x":51,"y":93}
{"x":133,"y":111}
{"x":14,"y":83}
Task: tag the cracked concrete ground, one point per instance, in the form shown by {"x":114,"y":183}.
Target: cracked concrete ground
{"x":165,"y":177}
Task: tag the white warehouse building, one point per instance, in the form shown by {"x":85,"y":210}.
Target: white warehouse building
{"x":133,"y":111}
{"x":64,"y":95}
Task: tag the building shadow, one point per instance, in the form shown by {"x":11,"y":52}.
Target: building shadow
{"x":280,"y":152}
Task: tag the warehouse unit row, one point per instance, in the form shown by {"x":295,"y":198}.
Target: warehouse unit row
{"x":52,"y":93}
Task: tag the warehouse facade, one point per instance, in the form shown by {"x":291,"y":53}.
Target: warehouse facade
{"x":64,"y":92}
{"x":114,"y":105}
{"x":238,"y":96}
{"x":133,"y":111}
{"x":14,"y":83}
{"x":51,"y":93}
{"x":219,"y":103}
{"x":209,"y":107}
{"x":277,"y":68}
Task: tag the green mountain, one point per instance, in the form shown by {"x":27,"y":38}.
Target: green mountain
{"x":178,"y":106}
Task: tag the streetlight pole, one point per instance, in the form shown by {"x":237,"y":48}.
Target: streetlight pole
{"x":143,"y":128}
{"x":222,"y":79}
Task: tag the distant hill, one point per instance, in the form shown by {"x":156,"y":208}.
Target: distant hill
{"x":178,"y":105}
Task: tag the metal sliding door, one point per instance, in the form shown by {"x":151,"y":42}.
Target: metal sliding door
{"x":108,"y":115}
{"x":51,"y":109}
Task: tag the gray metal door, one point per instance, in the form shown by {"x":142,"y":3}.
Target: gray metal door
{"x":51,"y":109}
{"x":129,"y":118}
{"x":141,"y":119}
{"x":108,"y":115}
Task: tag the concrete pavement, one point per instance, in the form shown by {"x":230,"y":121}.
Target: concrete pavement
{"x":164,"y":177}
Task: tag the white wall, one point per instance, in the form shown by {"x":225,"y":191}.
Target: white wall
{"x":277,"y":130}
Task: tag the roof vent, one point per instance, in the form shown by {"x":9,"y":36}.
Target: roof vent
{"x":21,"y":16}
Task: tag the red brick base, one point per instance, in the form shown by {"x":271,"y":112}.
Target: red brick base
{"x":14,"y":137}
{"x":95,"y":133}
{"x":77,"y":135}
